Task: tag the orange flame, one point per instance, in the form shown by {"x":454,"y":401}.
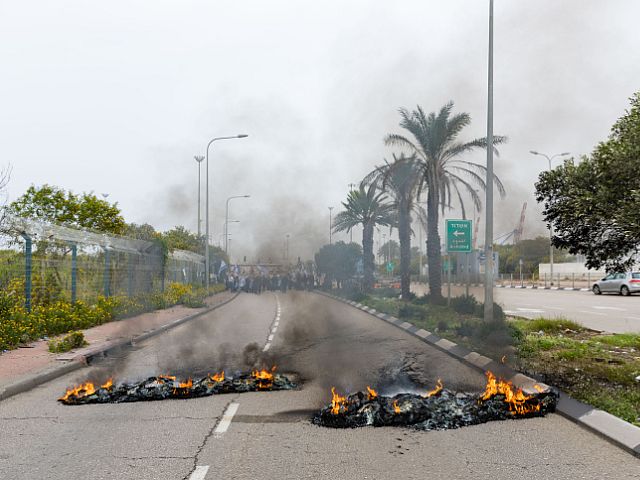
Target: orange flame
{"x":108,"y":384}
{"x":337,"y":401}
{"x":80,"y":391}
{"x":396,"y":408}
{"x":436,"y":390}
{"x":515,"y":398}
{"x":217,"y":377}
{"x":163,"y":378}
{"x":187,"y":384}
{"x":539,"y":388}
{"x":264,"y":377}
{"x":371,"y":393}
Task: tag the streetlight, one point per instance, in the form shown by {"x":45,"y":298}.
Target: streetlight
{"x":206,"y":245}
{"x":226,"y":219}
{"x":330,"y":224}
{"x":488,"y":234}
{"x":287,"y":246}
{"x":550,"y":158}
{"x":199,"y":159}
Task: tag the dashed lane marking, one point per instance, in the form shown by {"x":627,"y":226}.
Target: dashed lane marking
{"x":199,"y":473}
{"x":611,"y":308}
{"x":224,"y":424}
{"x":274,"y":325}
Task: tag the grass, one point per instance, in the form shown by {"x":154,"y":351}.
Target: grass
{"x":68,"y":342}
{"x":597,"y":369}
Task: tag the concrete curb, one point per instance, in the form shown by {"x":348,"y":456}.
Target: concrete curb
{"x":610,"y":427}
{"x":84,"y":357}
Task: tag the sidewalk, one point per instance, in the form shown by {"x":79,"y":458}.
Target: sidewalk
{"x":33,"y":359}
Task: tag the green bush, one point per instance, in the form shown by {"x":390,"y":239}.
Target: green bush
{"x":465,"y":304}
{"x":68,"y":342}
{"x":498,"y":312}
{"x":408,"y":310}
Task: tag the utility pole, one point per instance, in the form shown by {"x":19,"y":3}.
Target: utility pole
{"x":330,"y":225}
{"x":488,"y":234}
{"x":199,"y":159}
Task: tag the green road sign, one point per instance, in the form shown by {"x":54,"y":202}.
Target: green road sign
{"x":458,"y":236}
{"x":390,"y":266}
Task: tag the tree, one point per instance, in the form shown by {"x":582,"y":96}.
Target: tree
{"x":437,"y":150}
{"x":338,"y":261}
{"x":383,"y":251}
{"x":401,"y":181}
{"x":533,"y":252}
{"x":365,"y":207}
{"x":593,"y":204}
{"x":53,"y":204}
{"x":179,"y":238}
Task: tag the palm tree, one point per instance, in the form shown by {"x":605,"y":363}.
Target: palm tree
{"x":401,"y":180}
{"x":365,"y":206}
{"x":443,"y":174}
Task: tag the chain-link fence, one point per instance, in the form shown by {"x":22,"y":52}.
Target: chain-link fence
{"x":45,"y":262}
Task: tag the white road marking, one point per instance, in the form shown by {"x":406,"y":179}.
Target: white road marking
{"x":611,"y":308}
{"x":199,"y":473}
{"x":224,"y":424}
{"x":270,"y":338}
{"x":529,"y":310}
{"x":592,"y":313}
{"x":266,"y":347}
{"x":633,"y":318}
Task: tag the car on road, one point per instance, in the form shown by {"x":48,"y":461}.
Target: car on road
{"x":621,"y":283}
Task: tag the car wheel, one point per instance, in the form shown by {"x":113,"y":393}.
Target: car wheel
{"x":624,"y":290}
{"x":596,"y":290}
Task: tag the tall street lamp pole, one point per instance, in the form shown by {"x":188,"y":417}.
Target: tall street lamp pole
{"x":199,"y":159}
{"x":549,"y":159}
{"x":488,"y":234}
{"x":226,"y":220}
{"x":330,"y":225}
{"x":207,"y":266}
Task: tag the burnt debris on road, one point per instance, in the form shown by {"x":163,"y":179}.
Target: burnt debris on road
{"x":164,"y":387}
{"x":438,"y":409}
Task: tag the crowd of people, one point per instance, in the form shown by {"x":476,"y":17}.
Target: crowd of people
{"x":261,"y":282}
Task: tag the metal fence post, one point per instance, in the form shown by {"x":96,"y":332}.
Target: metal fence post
{"x":74,"y":272}
{"x":130,"y":275}
{"x":545,"y":280}
{"x":107,"y":272}
{"x":589,"y":280}
{"x":27,"y":271}
{"x":573,"y":281}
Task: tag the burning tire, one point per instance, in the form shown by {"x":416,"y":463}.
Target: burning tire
{"x":436,"y":410}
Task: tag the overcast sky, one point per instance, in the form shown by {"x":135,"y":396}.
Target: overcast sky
{"x":117,"y":97}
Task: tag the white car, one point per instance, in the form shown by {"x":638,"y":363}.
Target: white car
{"x":621,"y":283}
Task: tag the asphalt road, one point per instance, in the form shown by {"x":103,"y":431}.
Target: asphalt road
{"x":609,"y":313}
{"x":269,"y":435}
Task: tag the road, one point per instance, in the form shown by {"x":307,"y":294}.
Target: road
{"x":608,"y":313}
{"x":269,"y":434}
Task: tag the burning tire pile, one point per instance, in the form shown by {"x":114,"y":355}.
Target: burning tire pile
{"x":165,"y":387}
{"x":438,"y":409}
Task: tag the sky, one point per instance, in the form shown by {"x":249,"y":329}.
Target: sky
{"x":117,"y":97}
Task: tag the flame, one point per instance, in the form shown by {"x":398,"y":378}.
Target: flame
{"x":187,"y":384}
{"x":264,"y":377}
{"x":337,"y":401}
{"x":371,"y":393}
{"x":80,"y":391}
{"x":163,"y":378}
{"x":396,"y":408}
{"x":217,"y":377}
{"x":515,"y":398}
{"x":108,"y":384}
{"x":436,"y":390}
{"x":539,"y":388}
